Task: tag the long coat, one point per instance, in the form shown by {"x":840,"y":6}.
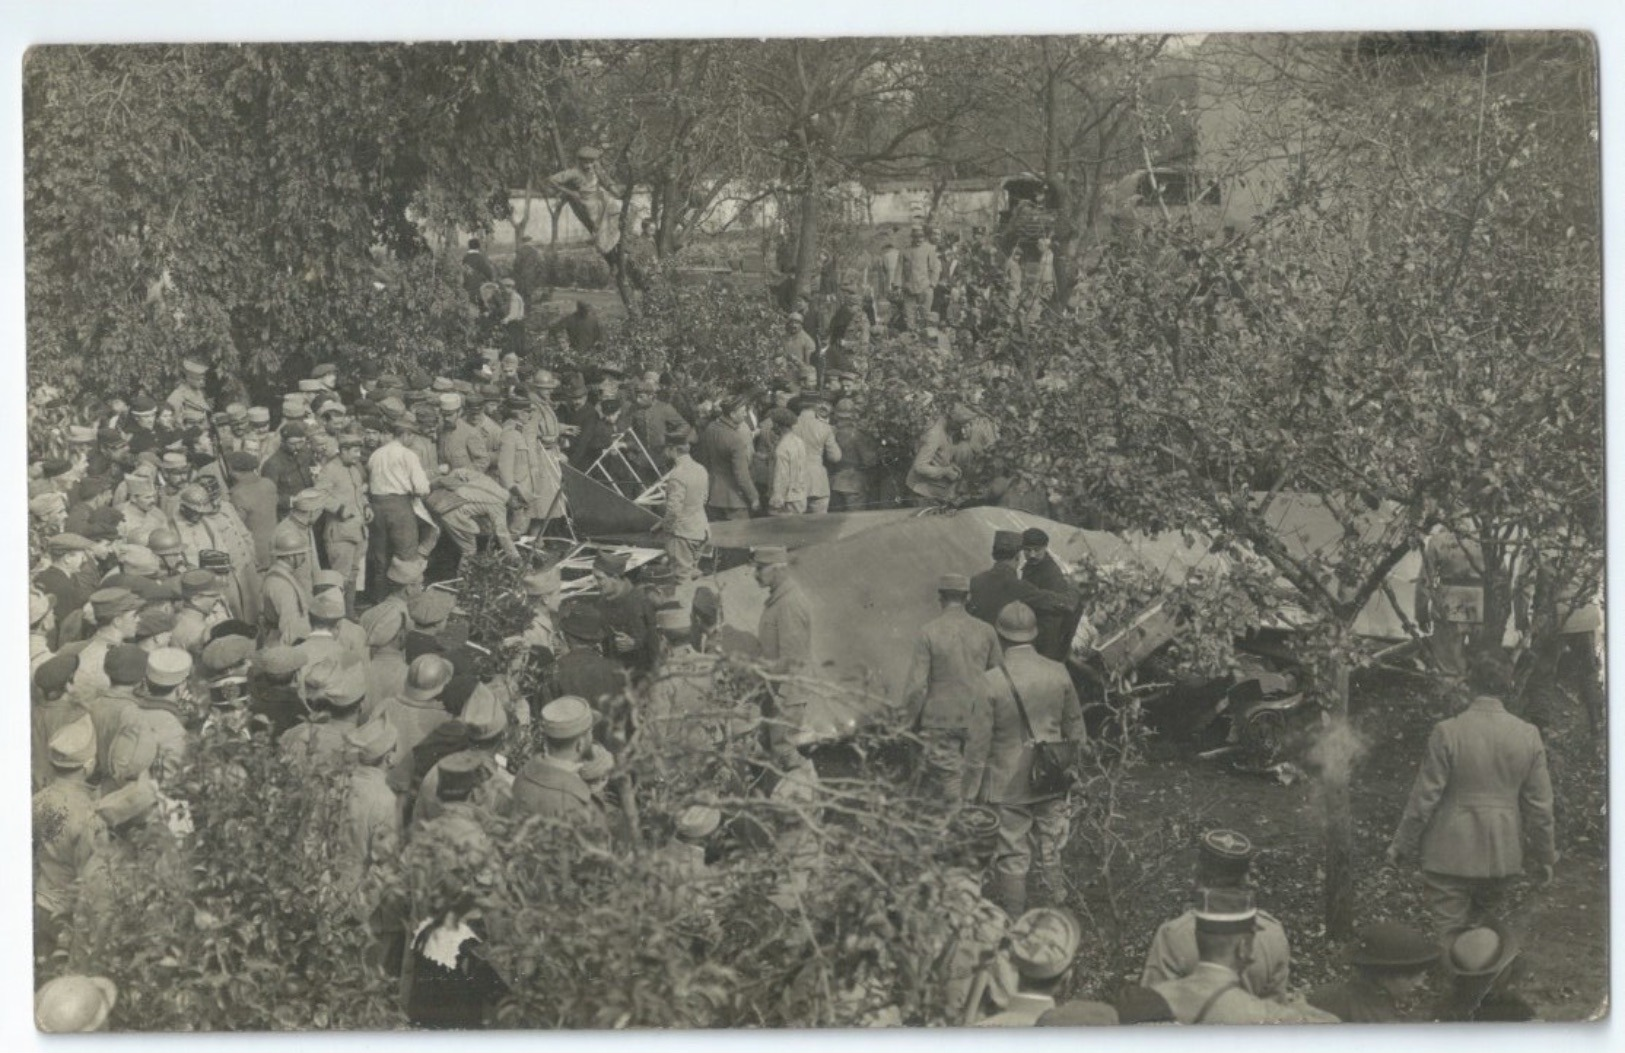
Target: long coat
{"x":1483,"y":787}
{"x":725,"y":454}
{"x":255,"y":499}
{"x":994,"y":758}
{"x":946,"y":680}
{"x":687,"y":487}
{"x":224,"y":531}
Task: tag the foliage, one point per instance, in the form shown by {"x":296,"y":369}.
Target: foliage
{"x":714,"y":335}
{"x":224,"y":201}
{"x":245,"y":926}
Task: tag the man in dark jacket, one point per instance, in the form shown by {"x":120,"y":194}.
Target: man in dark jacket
{"x":255,"y":499}
{"x":1000,"y":584}
{"x":289,"y":467}
{"x":724,"y":451}
{"x":1039,"y":568}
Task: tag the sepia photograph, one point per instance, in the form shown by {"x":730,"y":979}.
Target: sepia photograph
{"x":923,"y":531}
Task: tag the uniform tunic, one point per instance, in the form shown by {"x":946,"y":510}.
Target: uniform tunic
{"x":1173,"y":955}
{"x":1188,"y":996}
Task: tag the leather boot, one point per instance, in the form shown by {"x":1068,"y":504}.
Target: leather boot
{"x":1010,"y":892}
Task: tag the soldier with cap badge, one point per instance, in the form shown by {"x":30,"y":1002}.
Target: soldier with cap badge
{"x":550,"y":783}
{"x":1223,"y":860}
{"x":1043,"y":944}
{"x":1213,"y":992}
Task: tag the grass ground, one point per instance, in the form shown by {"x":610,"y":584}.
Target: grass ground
{"x":1565,"y":926}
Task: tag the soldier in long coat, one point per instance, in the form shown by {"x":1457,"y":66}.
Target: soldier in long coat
{"x":285,"y":599}
{"x":203,"y":523}
{"x":527,"y":470}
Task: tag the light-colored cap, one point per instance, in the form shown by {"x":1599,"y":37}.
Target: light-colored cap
{"x":74,"y":745}
{"x":168,"y":666}
{"x":329,"y":603}
{"x":566,"y":717}
{"x":451,"y":401}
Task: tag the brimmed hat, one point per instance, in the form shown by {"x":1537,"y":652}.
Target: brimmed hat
{"x":1482,"y":953}
{"x":566,"y":717}
{"x":1390,"y":945}
{"x":1043,"y":943}
{"x":74,"y":1004}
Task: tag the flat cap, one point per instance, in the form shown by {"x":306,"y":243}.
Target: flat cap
{"x":107,"y":604}
{"x":168,"y":667}
{"x":228,"y":652}
{"x":431,"y":607}
{"x":1033,"y":537}
{"x":280,"y":660}
{"x":451,"y":402}
{"x":74,"y":745}
{"x":566,"y":717}
{"x":144,"y":404}
{"x":1016,"y":622}
{"x":373,"y":740}
{"x":56,"y":672}
{"x":154,"y":620}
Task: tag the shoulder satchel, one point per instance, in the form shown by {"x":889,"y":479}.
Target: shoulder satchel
{"x":1212,"y":1000}
{"x":1053,"y":764}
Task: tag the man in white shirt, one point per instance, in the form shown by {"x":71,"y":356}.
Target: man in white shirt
{"x":396,"y":481}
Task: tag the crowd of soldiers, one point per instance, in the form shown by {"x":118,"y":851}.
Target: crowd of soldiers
{"x":198,"y":569}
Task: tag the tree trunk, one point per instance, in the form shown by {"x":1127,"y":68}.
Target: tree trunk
{"x":812,"y":201}
{"x":1337,"y":758}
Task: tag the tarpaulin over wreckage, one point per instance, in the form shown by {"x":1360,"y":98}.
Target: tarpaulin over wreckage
{"x":870,"y":578}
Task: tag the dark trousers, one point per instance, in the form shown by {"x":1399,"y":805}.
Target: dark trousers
{"x":394,"y":533}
